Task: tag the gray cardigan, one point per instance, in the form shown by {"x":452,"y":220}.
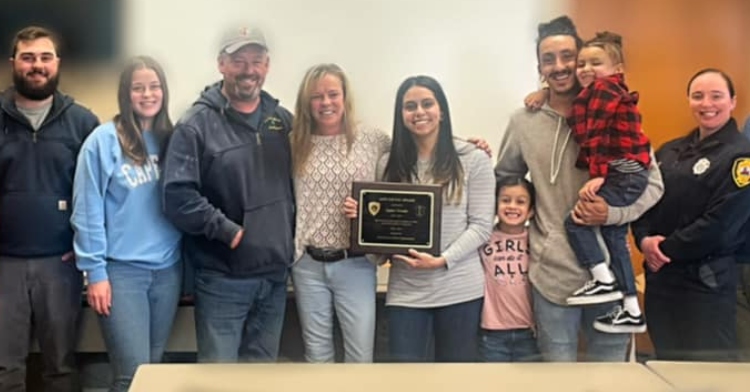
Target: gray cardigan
{"x":465,"y":227}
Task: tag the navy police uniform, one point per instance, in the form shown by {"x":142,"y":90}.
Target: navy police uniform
{"x":690,"y":302}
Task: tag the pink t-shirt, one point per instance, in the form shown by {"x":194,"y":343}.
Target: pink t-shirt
{"x":507,"y":293}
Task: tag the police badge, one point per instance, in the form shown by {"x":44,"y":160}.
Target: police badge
{"x":701,"y":166}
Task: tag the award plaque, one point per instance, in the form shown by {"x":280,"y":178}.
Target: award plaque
{"x":395,"y":217}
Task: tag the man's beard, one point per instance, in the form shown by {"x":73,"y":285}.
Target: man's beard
{"x":246,"y":95}
{"x":35,"y":93}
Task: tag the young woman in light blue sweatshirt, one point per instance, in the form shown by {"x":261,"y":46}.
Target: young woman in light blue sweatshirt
{"x":129,"y":251}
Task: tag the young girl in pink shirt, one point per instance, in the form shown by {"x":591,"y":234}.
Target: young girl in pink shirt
{"x":507,"y":320}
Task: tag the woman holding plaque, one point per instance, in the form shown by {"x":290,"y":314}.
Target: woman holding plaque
{"x":330,"y":151}
{"x":438,"y":297}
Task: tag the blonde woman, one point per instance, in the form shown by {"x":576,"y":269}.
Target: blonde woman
{"x":330,"y":150}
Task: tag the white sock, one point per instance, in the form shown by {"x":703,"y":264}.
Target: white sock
{"x":602,"y":273}
{"x":630,"y":303}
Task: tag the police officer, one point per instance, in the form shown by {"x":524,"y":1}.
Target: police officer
{"x":745,"y":252}
{"x":690,"y":237}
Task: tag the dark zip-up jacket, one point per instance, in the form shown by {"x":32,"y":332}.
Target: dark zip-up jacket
{"x":36,"y":176}
{"x":704,"y":210}
{"x":222,"y":174}
{"x":743,"y":255}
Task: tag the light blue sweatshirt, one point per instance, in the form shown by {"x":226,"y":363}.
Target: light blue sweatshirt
{"x":117,"y":214}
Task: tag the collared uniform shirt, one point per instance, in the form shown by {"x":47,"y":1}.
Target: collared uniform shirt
{"x":706,"y":200}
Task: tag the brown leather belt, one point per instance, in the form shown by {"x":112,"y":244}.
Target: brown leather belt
{"x":330,"y":255}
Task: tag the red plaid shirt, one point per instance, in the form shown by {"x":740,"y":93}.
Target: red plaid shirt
{"x":606,"y":124}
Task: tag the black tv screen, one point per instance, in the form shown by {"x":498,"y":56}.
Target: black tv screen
{"x":89,"y":30}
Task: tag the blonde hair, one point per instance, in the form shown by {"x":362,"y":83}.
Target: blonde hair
{"x":303,"y":125}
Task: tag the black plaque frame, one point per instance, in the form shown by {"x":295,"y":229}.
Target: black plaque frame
{"x":395,"y":194}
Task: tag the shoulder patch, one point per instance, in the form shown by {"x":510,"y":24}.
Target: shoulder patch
{"x":741,"y":172}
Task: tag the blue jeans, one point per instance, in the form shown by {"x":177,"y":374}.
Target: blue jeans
{"x":346,"y":287}
{"x":558,"y":327}
{"x":42,"y":295}
{"x":453,"y":329}
{"x":619,"y":189}
{"x":238,"y":319}
{"x":511,"y":345}
{"x":144,"y":303}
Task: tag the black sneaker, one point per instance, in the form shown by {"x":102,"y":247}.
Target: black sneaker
{"x":595,"y":292}
{"x":620,"y":320}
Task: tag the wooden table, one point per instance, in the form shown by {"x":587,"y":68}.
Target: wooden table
{"x":704,"y":376}
{"x":475,"y":377}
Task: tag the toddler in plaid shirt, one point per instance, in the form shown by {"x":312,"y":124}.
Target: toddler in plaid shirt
{"x":606,"y":124}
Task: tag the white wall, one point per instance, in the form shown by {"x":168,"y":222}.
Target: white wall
{"x":482,"y":51}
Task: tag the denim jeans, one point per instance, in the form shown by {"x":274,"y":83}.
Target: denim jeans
{"x":238,"y":319}
{"x":511,"y":345}
{"x":619,"y":189}
{"x":558,"y":327}
{"x":453,"y":329}
{"x":144,"y":303}
{"x":43,"y":294}
{"x":346,"y":287}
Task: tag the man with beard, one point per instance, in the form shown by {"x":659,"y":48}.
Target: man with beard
{"x":227,"y":186}
{"x":41,"y":131}
{"x":540,"y":143}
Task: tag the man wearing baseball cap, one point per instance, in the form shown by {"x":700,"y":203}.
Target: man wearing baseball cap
{"x":227,"y":186}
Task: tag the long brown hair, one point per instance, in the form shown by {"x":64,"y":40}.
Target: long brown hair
{"x":303,"y":125}
{"x":129,"y":131}
{"x":402,"y":162}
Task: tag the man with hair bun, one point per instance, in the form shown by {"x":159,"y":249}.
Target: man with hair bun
{"x":539,"y":143}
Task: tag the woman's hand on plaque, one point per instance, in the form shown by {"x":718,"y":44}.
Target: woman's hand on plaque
{"x":350,"y":208}
{"x":421,"y":260}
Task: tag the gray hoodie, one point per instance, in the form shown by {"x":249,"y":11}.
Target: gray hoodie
{"x":540,"y":143}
